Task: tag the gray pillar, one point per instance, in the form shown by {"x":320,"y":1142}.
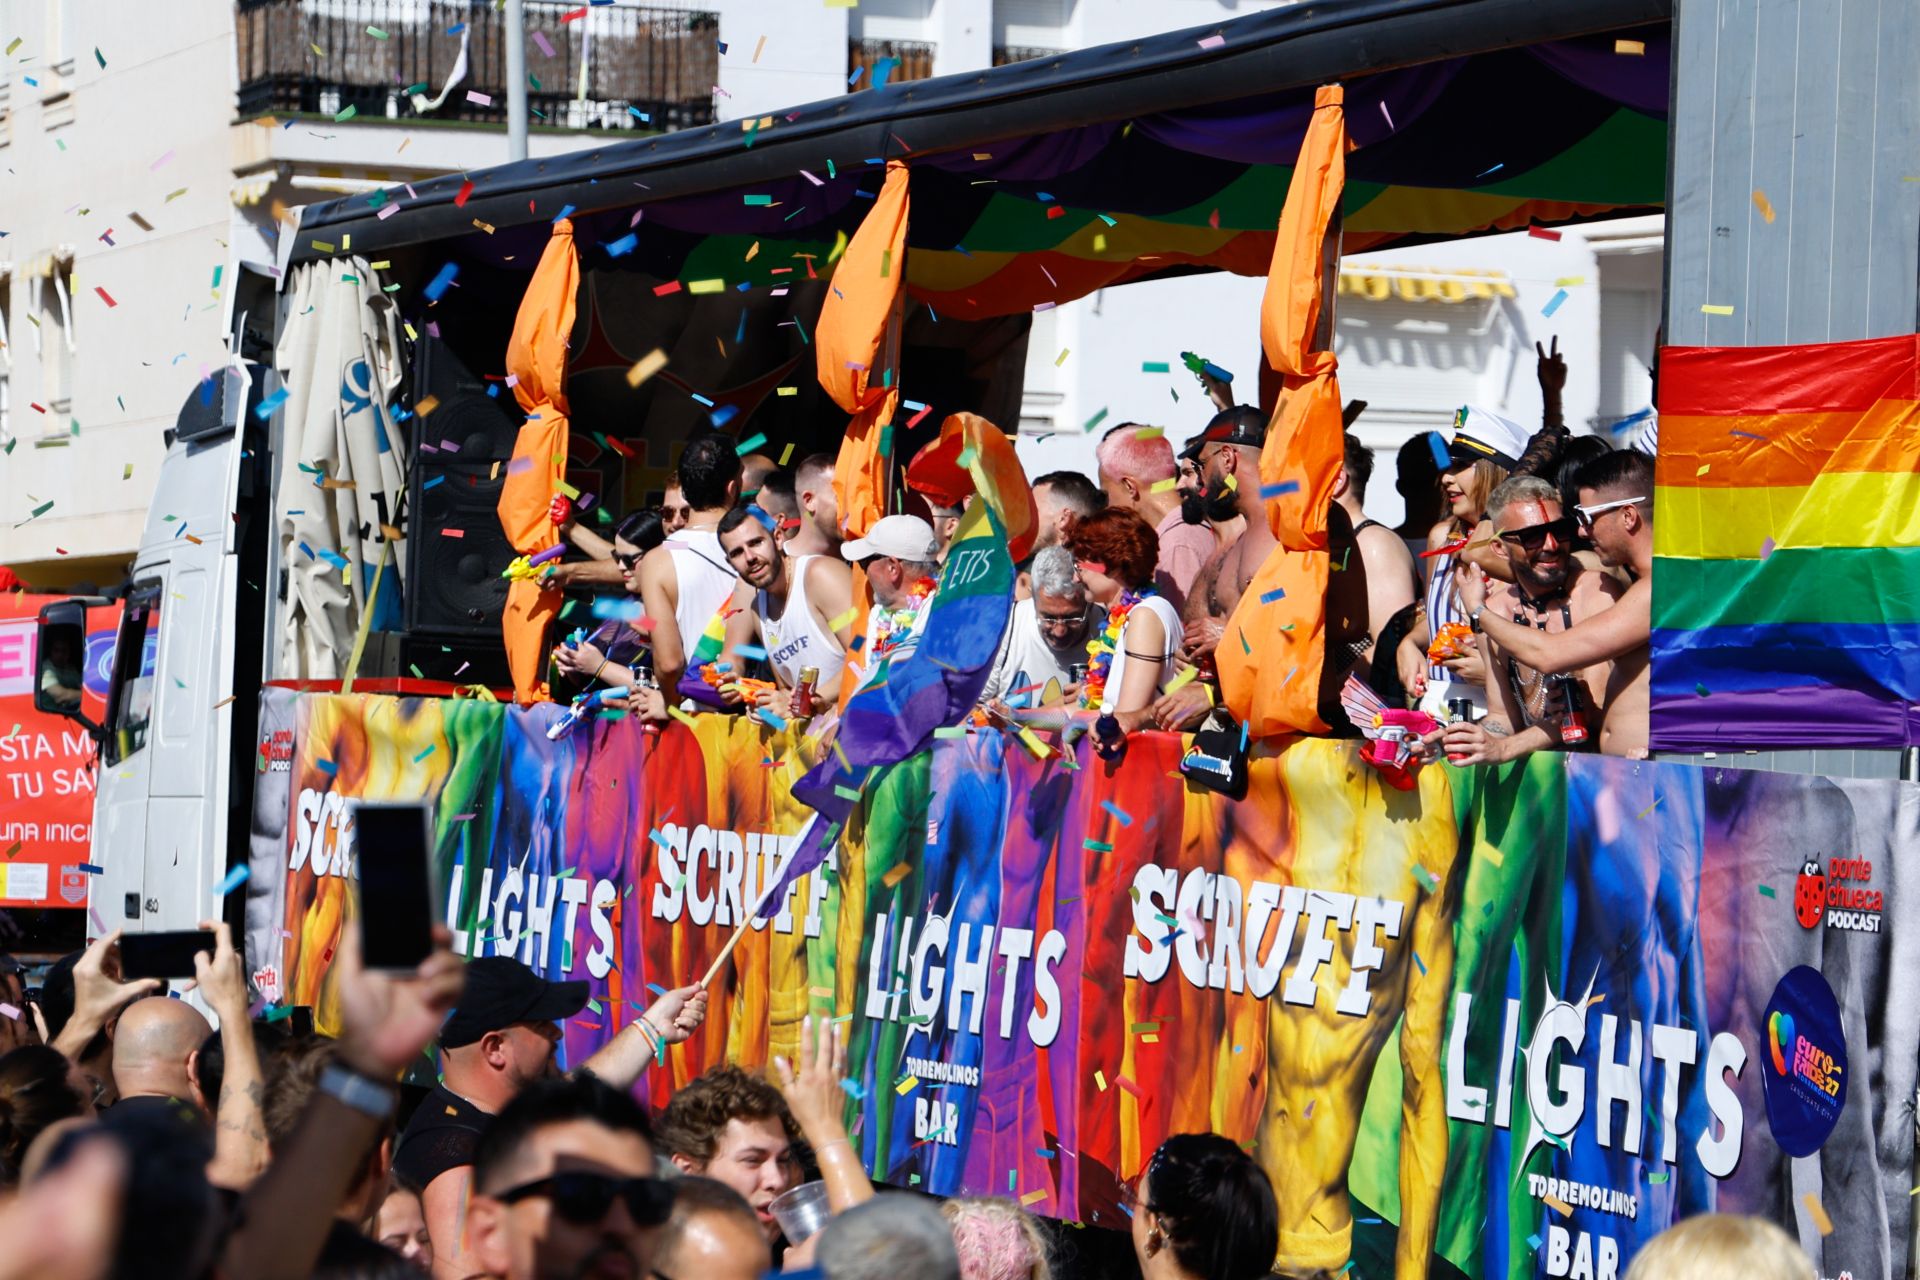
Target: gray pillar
{"x":516,"y":80}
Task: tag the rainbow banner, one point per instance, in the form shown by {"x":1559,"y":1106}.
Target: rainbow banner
{"x":1786,"y":608}
{"x":1511,"y":1024}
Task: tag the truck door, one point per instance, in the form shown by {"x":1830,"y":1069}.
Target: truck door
{"x":120,"y":808}
{"x":161,"y":836}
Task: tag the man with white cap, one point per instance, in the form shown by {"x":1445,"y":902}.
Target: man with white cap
{"x":901,"y":558}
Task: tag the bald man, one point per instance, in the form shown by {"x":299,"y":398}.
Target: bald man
{"x":156,"y":1040}
{"x":713,"y":1235}
{"x":754,"y":470}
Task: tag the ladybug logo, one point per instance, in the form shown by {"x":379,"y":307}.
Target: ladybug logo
{"x":1809,"y":895}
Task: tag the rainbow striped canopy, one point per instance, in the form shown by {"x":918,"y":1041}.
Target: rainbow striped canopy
{"x":1008,"y":221}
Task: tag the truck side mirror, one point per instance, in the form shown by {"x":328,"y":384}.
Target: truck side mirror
{"x":60,"y":662}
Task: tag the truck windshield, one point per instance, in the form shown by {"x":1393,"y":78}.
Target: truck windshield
{"x":131,"y":701}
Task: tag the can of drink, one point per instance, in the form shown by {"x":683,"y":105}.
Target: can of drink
{"x":1077,"y":673}
{"x":803,"y":691}
{"x":1460,"y":709}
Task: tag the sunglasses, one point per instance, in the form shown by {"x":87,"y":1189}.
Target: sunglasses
{"x":628,"y":561}
{"x":584,"y":1198}
{"x":1534,"y":536}
{"x":1588,"y":514}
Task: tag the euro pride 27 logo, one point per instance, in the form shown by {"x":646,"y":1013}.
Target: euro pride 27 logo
{"x":1841,"y":893}
{"x":1806,"y":1076}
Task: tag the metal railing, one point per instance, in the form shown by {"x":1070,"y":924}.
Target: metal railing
{"x":605,"y":67}
{"x":908,"y":59}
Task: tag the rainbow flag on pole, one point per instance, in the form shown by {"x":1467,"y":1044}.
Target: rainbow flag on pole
{"x":1786,"y":609}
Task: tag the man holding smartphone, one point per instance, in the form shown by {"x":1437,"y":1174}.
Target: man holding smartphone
{"x":500,"y":1040}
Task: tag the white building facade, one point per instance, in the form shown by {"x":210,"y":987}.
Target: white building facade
{"x":146,"y":149}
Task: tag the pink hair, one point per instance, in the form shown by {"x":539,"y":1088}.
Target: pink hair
{"x":1124,"y":454}
{"x":996,"y":1240}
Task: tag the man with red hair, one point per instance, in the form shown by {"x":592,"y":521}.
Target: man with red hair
{"x":1138,"y":474}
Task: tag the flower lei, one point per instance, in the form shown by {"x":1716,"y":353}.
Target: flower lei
{"x":896,"y":624}
{"x":1101,"y":648}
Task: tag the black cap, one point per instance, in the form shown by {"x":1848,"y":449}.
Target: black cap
{"x":500,"y":992}
{"x":1242,"y":424}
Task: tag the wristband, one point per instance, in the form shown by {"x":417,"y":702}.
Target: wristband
{"x":653,"y":1037}
{"x":364,"y":1094}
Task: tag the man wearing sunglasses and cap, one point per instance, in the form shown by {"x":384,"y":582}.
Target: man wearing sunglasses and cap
{"x":499,"y":1042}
{"x":565,"y":1185}
{"x":1531,"y":709}
{"x":1616,"y":512}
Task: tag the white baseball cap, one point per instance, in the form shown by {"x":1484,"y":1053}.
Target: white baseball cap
{"x":902,"y":537}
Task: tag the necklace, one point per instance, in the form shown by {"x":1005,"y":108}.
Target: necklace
{"x":895,"y":625}
{"x":1101,"y":648}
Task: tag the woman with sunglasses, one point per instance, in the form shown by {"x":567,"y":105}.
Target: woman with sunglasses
{"x":1131,"y":660}
{"x":615,"y":652}
{"x":1479,"y":458}
{"x":1203,"y":1210}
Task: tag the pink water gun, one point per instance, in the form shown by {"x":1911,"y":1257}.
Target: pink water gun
{"x":1393,"y":735}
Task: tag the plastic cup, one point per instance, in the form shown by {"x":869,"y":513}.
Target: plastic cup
{"x":802,"y":1211}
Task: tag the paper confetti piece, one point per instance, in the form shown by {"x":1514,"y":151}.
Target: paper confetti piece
{"x":1634,"y":49}
{"x":1211,"y":42}
{"x":1766,"y":891}
{"x":1164,"y":486}
{"x":478,"y":98}
{"x":105,"y":296}
{"x":1553,"y":303}
{"x":1120,"y":815}
{"x":1764,"y":205}
{"x":844,"y":620}
{"x":1560,"y":1207}
{"x":1709,"y":309}
{"x":646,"y":366}
{"x":907,"y":1086}
{"x":1274,"y":596}
{"x":1033,"y":1197}
{"x":1818,"y":1212}
{"x":1100,"y":1079}
{"x":1538,"y":233}
{"x":234,"y":879}
{"x":896,"y":873}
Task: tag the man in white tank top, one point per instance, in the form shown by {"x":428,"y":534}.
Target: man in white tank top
{"x":786,"y":608}
{"x":687,"y":578}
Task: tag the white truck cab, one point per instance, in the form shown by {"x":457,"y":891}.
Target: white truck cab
{"x":170,"y":814}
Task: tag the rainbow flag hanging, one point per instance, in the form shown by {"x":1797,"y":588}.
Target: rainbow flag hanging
{"x":1786,"y":607}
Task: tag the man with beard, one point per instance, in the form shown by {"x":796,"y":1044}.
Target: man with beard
{"x":901,"y":558}
{"x":565,"y":1186}
{"x":1531,"y":709}
{"x":787,"y":608}
{"x":1137,"y":474}
{"x":499,"y":1041}
{"x":1047,"y":636}
{"x":1228,"y":456}
{"x":1220,"y":514}
{"x":1616,"y":511}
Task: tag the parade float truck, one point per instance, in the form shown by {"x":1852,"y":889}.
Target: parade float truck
{"x":1506,"y":1022}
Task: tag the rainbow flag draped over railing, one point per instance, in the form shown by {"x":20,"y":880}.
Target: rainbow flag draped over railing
{"x":1786,"y":608}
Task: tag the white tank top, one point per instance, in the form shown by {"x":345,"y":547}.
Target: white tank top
{"x":705,"y":581}
{"x":1117,"y":674}
{"x":796,"y":639}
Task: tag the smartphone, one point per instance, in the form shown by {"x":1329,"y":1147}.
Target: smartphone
{"x":393,"y":846}
{"x":163,"y":955}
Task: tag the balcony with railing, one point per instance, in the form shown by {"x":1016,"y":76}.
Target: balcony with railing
{"x":873,"y":63}
{"x":588,"y":67}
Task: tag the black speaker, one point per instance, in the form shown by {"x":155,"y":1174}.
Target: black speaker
{"x":455,"y":658}
{"x":455,"y":546}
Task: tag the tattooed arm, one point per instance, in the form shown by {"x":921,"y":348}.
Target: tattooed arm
{"x":240,"y":1131}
